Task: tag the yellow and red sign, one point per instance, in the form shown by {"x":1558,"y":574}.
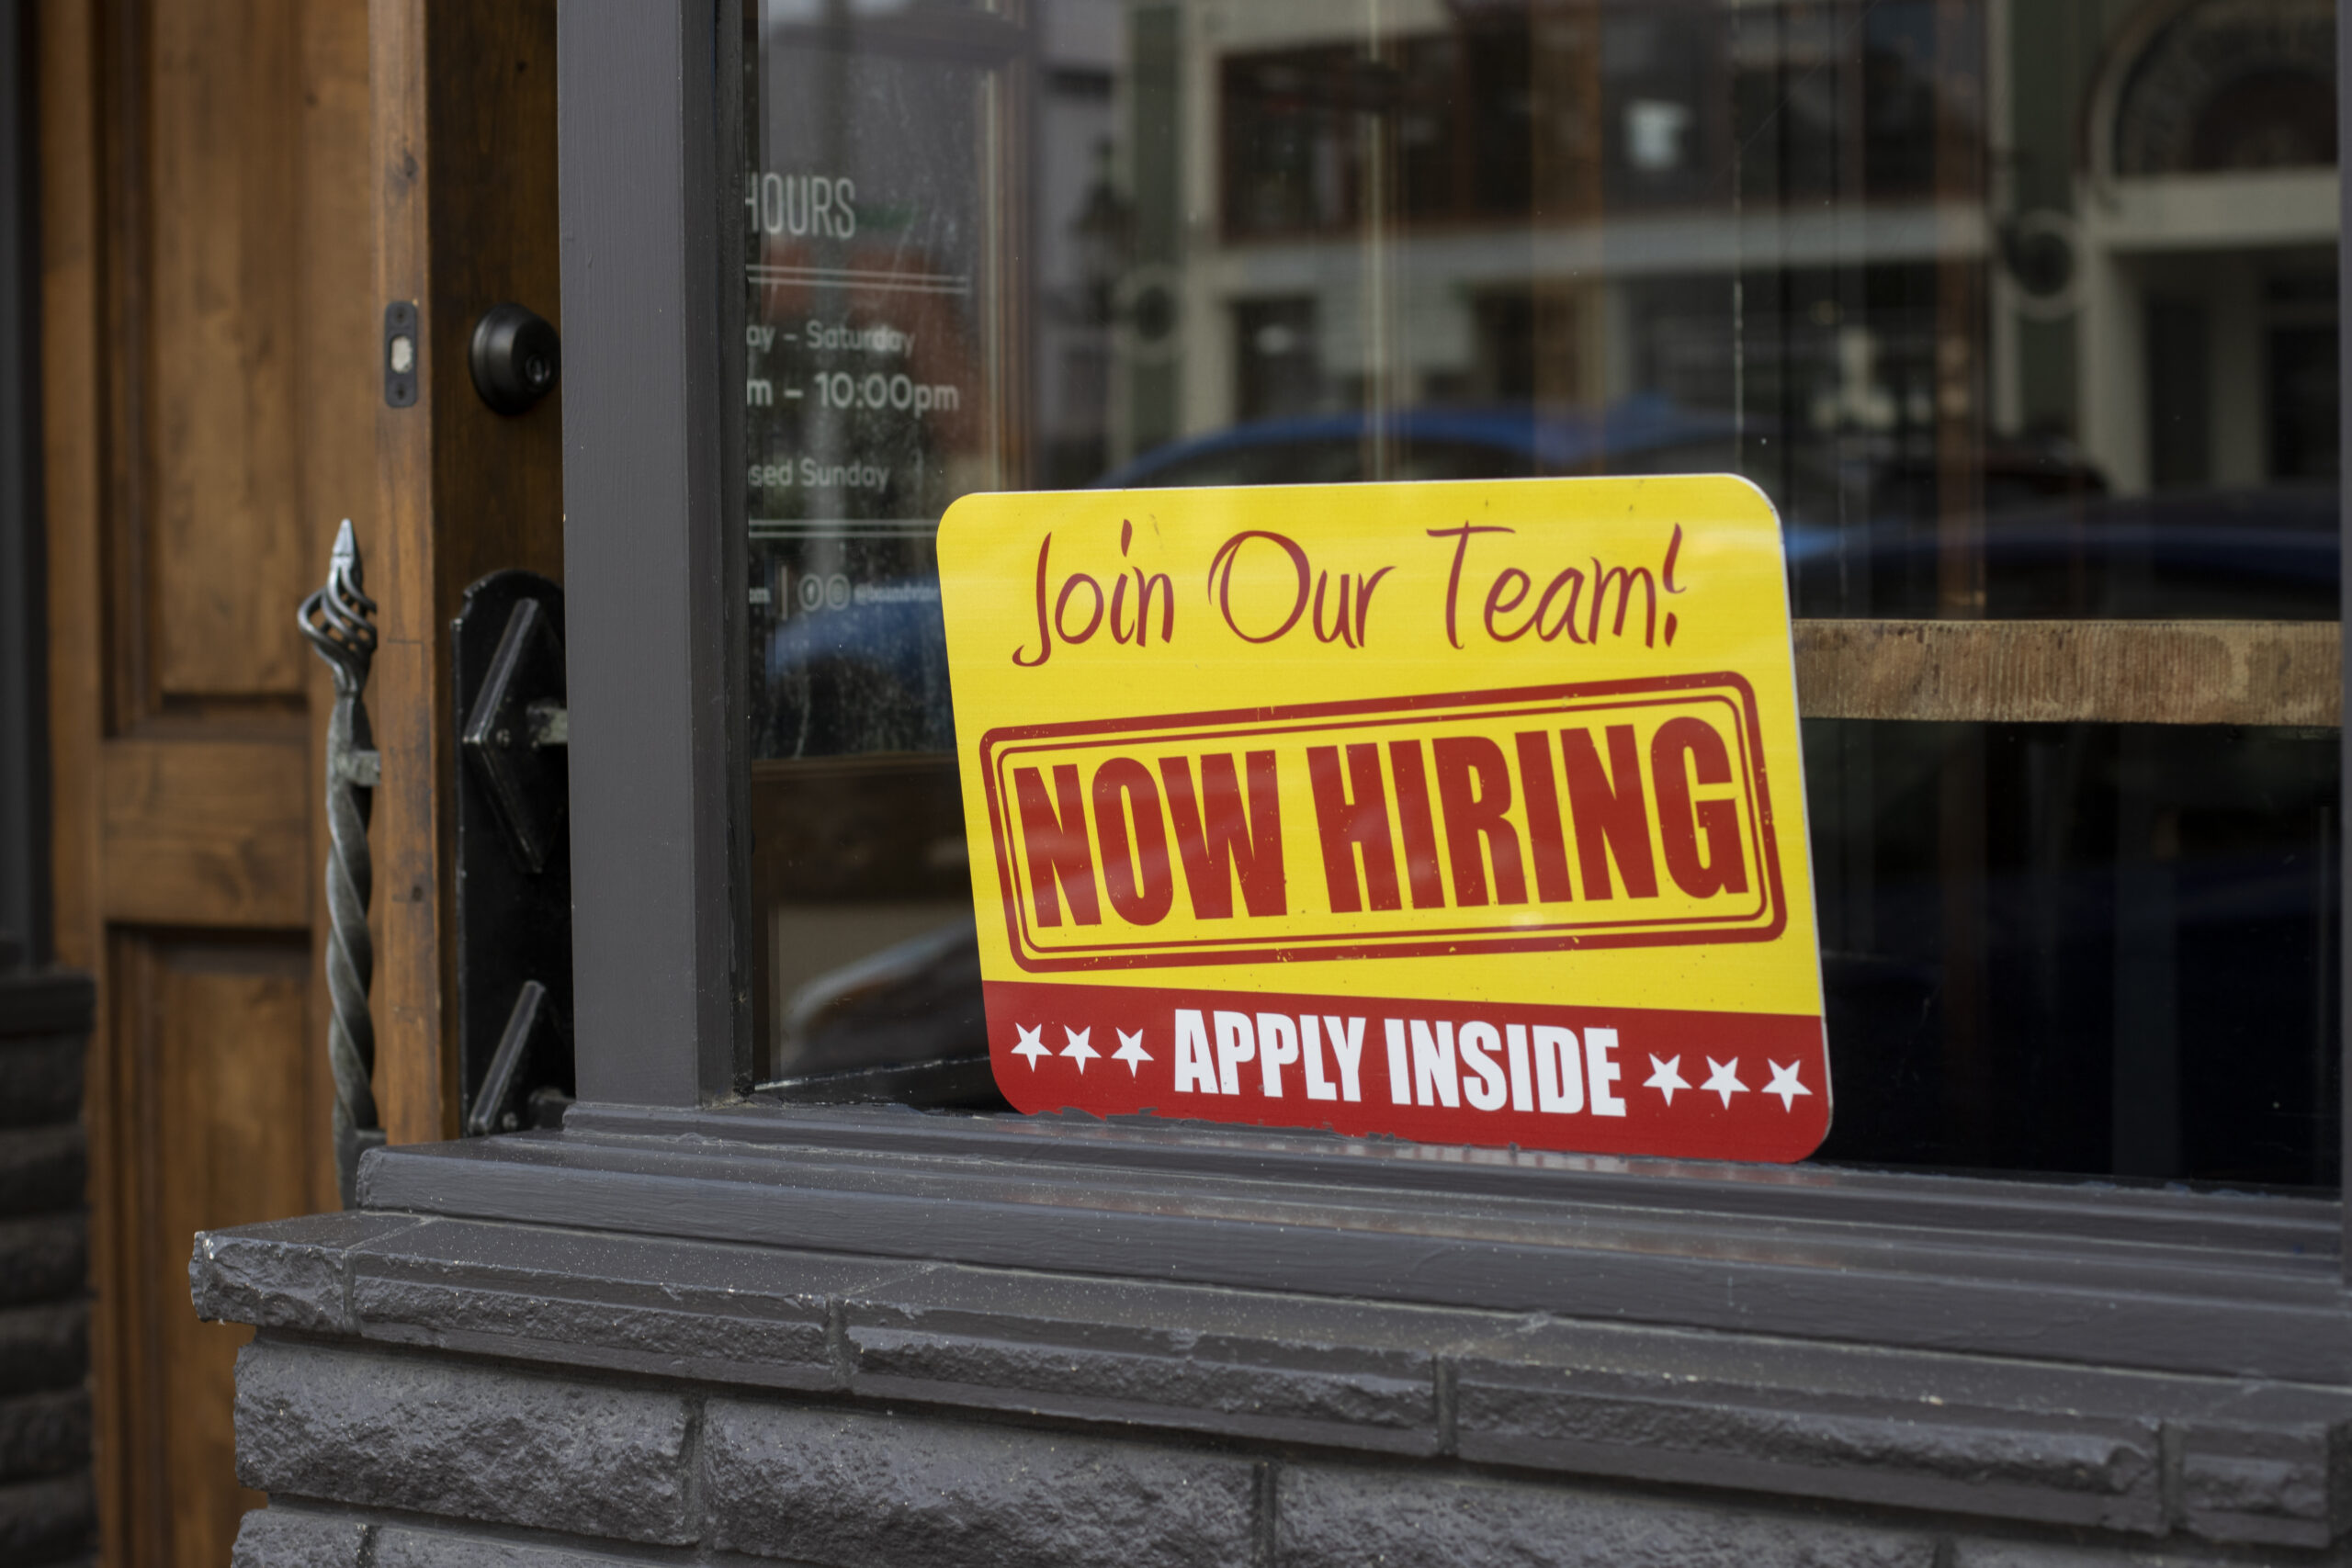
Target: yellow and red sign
{"x":1468,"y":812}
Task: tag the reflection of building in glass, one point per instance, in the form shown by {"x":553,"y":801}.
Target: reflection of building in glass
{"x":1082,"y":236}
{"x":1563,"y":207}
{"x":2205,"y":314}
{"x":1880,"y":237}
{"x":2016,"y":310}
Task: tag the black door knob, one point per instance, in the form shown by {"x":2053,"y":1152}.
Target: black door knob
{"x":517,"y":357}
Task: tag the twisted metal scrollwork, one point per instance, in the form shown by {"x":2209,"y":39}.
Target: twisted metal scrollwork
{"x":339,"y":621}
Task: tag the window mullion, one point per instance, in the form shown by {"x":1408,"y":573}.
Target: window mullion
{"x":654,"y":644}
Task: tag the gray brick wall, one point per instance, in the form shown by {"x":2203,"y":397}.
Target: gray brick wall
{"x":1329,"y":1516}
{"x":462,"y":1440}
{"x":873,"y":1491}
{"x":47,"y":1509}
{"x":397,"y":1458}
{"x":445,"y":1390}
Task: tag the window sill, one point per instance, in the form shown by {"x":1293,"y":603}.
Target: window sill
{"x":1951,"y":1345}
{"x":2241,"y":1286}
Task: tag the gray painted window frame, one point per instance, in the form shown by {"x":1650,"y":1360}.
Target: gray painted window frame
{"x":650,"y":108}
{"x":649,"y":100}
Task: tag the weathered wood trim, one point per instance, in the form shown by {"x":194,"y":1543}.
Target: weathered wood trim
{"x":410,"y":891}
{"x":463,"y":103}
{"x":2267,"y":672}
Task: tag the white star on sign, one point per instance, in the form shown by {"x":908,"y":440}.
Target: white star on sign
{"x":1725,"y":1080}
{"x":1031,"y":1047}
{"x":1668,"y":1078}
{"x":1131,"y":1052}
{"x":1784,"y":1084}
{"x":1078,"y":1050}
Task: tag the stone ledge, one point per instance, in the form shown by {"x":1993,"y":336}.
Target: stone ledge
{"x":1996,"y":1439}
{"x":2182,"y":1283}
{"x":1810,"y":1421}
{"x":1286,"y":1370}
{"x":2102,"y":1474}
{"x":287,"y":1275}
{"x":708,"y":1312}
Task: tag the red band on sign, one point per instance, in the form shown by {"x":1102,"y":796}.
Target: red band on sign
{"x":1598,"y":1080}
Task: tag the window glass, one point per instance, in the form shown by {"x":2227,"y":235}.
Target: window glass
{"x":2017,"y":311}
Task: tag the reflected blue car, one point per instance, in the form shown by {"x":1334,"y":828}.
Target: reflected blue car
{"x":1510,"y":441}
{"x":2054,"y":542}
{"x":2268,"y":553}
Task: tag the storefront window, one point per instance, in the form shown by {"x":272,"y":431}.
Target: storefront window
{"x":2018,"y":311}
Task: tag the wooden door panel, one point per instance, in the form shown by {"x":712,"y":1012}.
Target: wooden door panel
{"x":209,"y":1059}
{"x":230,"y":551}
{"x":208,"y":832}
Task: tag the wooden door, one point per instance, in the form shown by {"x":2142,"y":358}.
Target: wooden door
{"x":230,"y":189}
{"x":207,"y":417}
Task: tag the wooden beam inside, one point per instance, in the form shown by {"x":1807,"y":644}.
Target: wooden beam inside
{"x":2265,"y":672}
